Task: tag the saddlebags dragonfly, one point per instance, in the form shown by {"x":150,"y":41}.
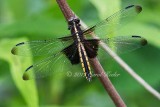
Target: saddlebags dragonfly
{"x":76,"y":47}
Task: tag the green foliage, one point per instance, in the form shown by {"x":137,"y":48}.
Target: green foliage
{"x":17,"y":66}
{"x":103,"y":8}
{"x":22,"y":20}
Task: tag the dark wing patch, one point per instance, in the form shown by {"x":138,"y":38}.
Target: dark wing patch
{"x":71,"y":53}
{"x":91,"y":46}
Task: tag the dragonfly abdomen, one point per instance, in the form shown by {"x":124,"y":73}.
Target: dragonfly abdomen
{"x":84,"y":61}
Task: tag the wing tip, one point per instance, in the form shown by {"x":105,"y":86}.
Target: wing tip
{"x":21,"y":43}
{"x":25,"y":76}
{"x":135,"y":36}
{"x":137,"y":8}
{"x":14,"y":51}
{"x":143,"y":40}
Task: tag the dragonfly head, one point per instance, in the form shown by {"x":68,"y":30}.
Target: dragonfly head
{"x":73,"y":22}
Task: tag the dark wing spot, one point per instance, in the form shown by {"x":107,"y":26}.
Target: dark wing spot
{"x":20,"y":44}
{"x":14,"y":51}
{"x":129,"y":6}
{"x":144,"y":42}
{"x":25,"y":76}
{"x":138,"y":9}
{"x":29,"y":68}
{"x":134,"y":36}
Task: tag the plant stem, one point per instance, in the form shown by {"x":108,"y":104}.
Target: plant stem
{"x":65,"y":9}
{"x":107,"y":83}
{"x":130,"y":71}
{"x":94,"y":62}
{"x":126,"y":67}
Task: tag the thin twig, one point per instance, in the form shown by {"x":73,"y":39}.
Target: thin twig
{"x":65,"y":9}
{"x":95,"y":63}
{"x":131,"y":71}
{"x":107,"y":83}
{"x":126,"y":67}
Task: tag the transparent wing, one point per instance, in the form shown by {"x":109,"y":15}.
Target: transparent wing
{"x":53,"y":64}
{"x":122,"y":44}
{"x":41,"y":47}
{"x":45,"y":67}
{"x":114,"y":22}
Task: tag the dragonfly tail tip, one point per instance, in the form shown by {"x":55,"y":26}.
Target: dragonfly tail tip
{"x":89,"y":79}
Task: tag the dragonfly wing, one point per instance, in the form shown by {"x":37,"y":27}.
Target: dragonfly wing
{"x":111,"y":24}
{"x":48,"y":66}
{"x":122,"y":44}
{"x":45,"y":67}
{"x":41,"y":47}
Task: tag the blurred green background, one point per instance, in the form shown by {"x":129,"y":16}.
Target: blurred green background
{"x":23,"y":20}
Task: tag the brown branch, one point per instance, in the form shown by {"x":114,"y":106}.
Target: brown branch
{"x":67,"y":12}
{"x":107,"y":83}
{"x":94,"y":62}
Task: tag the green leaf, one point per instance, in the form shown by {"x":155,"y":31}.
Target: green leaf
{"x":18,"y":8}
{"x":41,"y":27}
{"x":17,"y":67}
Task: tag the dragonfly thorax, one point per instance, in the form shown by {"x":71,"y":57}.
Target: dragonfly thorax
{"x":76,"y":31}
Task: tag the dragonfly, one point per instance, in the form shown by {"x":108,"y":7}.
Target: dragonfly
{"x":78,"y":47}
